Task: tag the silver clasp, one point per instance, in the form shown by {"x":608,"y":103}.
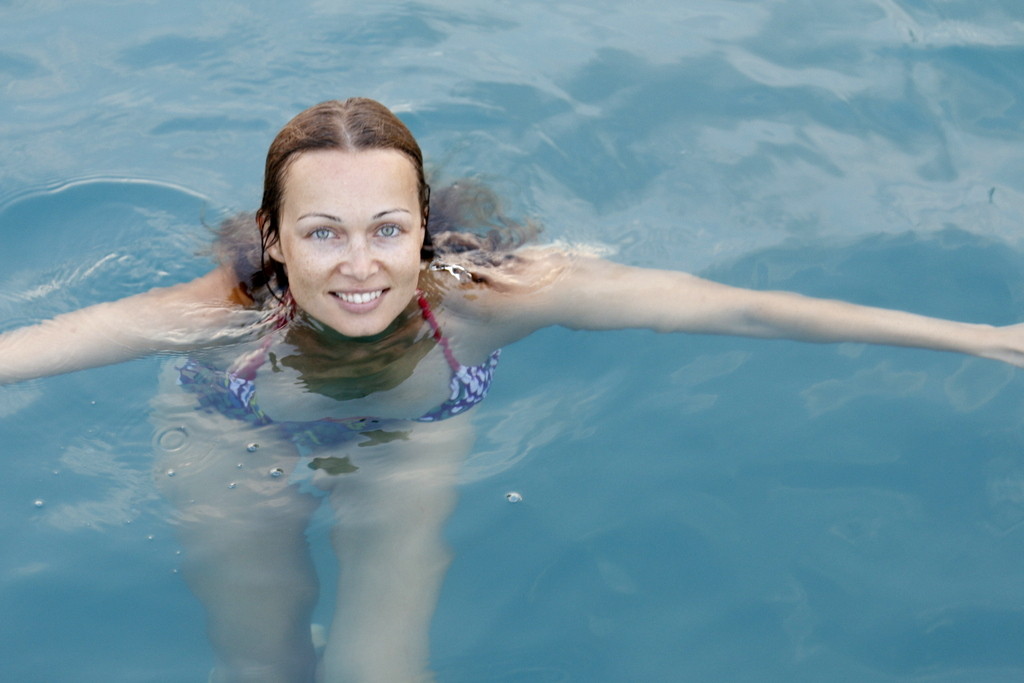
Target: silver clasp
{"x":455,"y":271}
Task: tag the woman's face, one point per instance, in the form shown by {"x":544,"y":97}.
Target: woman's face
{"x":350,"y":236}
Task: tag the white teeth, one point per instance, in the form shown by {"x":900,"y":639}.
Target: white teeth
{"x":358,"y":297}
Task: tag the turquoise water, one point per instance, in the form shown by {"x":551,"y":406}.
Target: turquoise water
{"x":693,"y":508}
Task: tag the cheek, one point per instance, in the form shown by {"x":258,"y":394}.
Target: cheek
{"x":301,"y":258}
{"x":411,"y":270}
{"x":303,"y":273}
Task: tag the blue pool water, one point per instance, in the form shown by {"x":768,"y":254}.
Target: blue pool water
{"x":693,"y":509}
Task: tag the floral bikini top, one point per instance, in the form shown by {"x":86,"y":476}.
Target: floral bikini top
{"x":233,"y":392}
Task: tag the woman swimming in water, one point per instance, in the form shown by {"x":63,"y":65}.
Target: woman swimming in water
{"x":346,"y":331}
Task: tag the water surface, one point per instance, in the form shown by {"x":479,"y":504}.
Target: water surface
{"x":693,"y":508}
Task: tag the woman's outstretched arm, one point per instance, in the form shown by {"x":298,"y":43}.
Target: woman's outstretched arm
{"x":166,"y":319}
{"x":595,"y":294}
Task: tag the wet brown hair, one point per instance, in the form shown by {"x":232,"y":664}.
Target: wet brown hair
{"x":351,"y":125}
{"x":463,"y":220}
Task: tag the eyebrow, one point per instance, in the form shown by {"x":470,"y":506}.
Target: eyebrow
{"x":335,"y":219}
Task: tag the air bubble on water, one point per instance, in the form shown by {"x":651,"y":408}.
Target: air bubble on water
{"x":513,"y":496}
{"x":253,"y":447}
{"x":276,"y":472}
{"x":39,"y":502}
{"x":170,"y":473}
{"x":232,"y":485}
{"x":172,"y":439}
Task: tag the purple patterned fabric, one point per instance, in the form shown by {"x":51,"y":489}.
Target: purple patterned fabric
{"x":233,"y":393}
{"x":469,"y":385}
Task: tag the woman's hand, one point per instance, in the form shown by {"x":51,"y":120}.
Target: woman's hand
{"x":1007,"y":345}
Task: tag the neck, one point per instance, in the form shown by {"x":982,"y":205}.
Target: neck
{"x":329,"y":336}
{"x":345,"y":367}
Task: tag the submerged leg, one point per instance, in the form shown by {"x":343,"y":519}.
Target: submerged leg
{"x":242,"y":528}
{"x":392,"y":557}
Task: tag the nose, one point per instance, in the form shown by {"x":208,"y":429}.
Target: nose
{"x":360,"y":262}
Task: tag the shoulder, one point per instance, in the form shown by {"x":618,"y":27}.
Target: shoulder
{"x":220,"y":287}
{"x":579,"y":289}
{"x":487,"y":290}
{"x":213,"y":306}
{"x":507,"y":300}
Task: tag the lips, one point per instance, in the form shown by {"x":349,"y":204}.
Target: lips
{"x":358,"y":298}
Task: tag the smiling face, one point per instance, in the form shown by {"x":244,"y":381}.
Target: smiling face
{"x":350,"y":236}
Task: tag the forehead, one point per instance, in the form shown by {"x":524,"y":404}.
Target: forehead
{"x":343,"y":176}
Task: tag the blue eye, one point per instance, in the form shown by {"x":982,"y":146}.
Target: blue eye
{"x":389,"y":230}
{"x":321,"y":234}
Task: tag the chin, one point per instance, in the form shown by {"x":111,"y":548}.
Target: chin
{"x":355,"y":324}
{"x":356,"y":330}
{"x":359,"y":326}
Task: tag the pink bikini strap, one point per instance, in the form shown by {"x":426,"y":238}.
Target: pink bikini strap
{"x":428,"y":315}
{"x":247,"y":366}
